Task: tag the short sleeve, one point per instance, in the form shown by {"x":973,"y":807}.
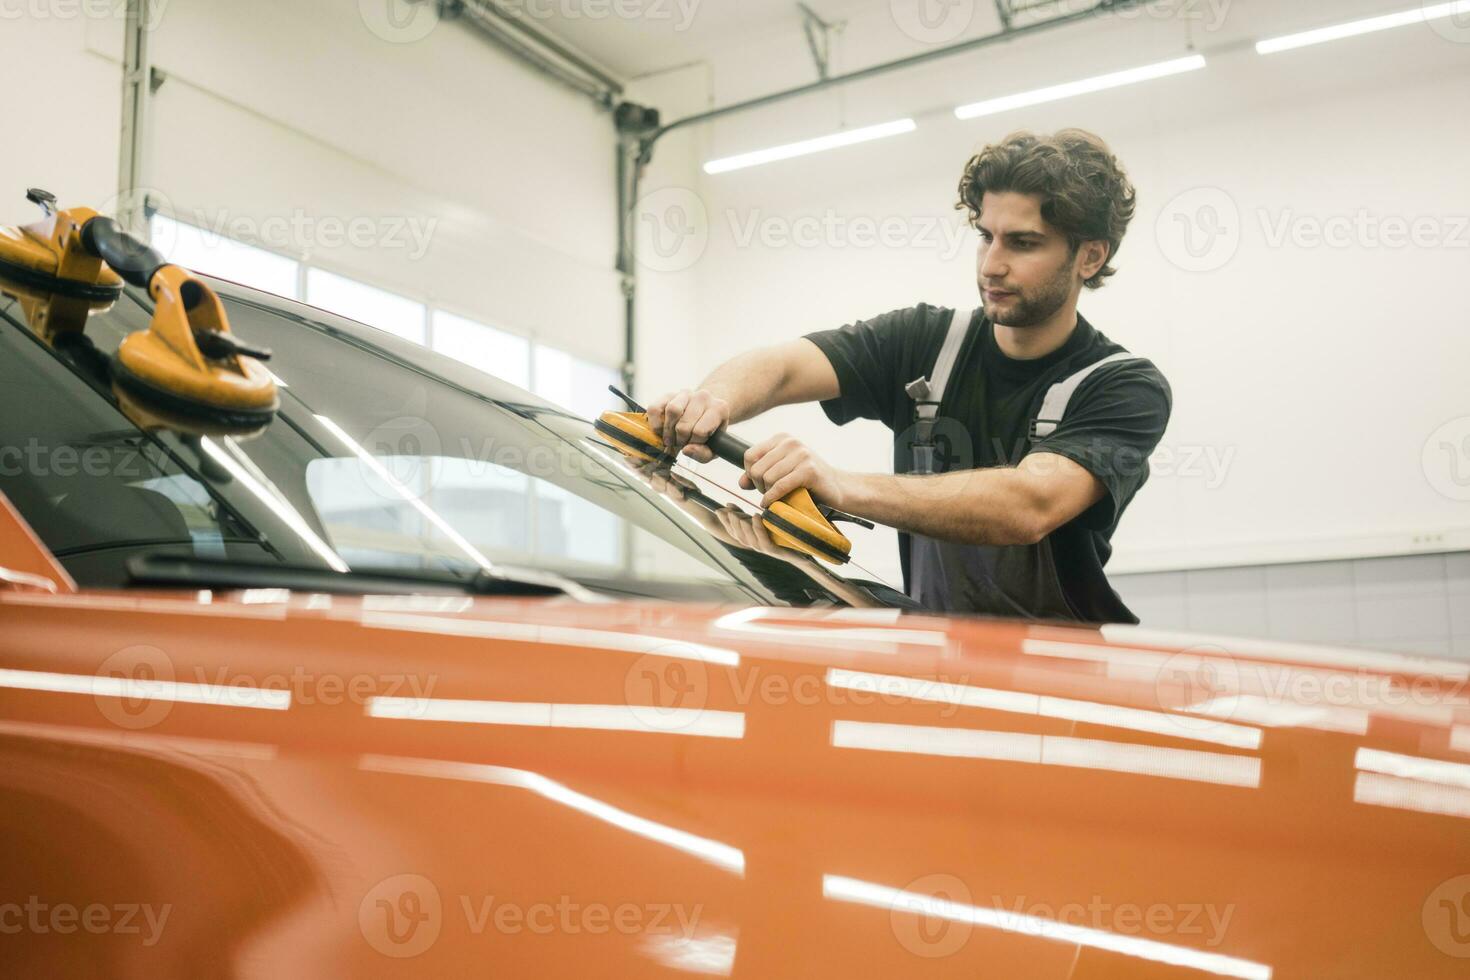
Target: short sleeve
{"x":1112,"y":426}
{"x":868,"y":357}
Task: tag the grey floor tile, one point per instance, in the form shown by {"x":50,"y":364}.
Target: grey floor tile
{"x":1324,"y":578}
{"x":1311,"y":602}
{"x":1401,"y":597}
{"x":1157,"y":599}
{"x":1460,"y":647}
{"x":1457,"y":589}
{"x":1399,"y":575}
{"x":1437,"y":646}
{"x":1227,"y":600}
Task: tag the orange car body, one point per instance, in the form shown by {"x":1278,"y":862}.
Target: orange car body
{"x":263,"y":783}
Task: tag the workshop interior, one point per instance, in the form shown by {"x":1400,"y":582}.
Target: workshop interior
{"x":367,"y":607}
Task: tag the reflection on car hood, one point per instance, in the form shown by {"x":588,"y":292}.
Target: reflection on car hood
{"x":439,"y":785}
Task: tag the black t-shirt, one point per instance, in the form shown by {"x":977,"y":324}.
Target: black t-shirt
{"x":1112,"y":424}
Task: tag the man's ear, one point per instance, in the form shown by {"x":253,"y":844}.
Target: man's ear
{"x":1091,"y":257}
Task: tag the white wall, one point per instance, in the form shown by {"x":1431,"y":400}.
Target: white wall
{"x":475,"y":183}
{"x":1307,"y":379}
{"x":65,"y":138}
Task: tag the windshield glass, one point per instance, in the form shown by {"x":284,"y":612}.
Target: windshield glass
{"x":384,"y":455}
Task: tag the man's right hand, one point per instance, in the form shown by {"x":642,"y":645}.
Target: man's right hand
{"x":686,"y":418}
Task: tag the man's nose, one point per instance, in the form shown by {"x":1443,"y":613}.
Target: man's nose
{"x":992,"y":264}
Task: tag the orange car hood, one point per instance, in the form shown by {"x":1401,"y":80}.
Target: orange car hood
{"x":282,"y":784}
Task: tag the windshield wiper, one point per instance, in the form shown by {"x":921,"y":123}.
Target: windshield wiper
{"x":173,"y":571}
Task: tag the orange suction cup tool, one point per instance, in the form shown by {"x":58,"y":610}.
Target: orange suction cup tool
{"x":45,"y":266}
{"x":187,"y":363}
{"x":796,"y":521}
{"x":630,"y":433}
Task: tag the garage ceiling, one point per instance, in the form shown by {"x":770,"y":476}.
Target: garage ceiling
{"x":668,"y":34}
{"x":666,"y":37}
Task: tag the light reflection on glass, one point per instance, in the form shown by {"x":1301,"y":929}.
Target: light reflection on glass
{"x":723,"y":855}
{"x":557,"y":636}
{"x":894,"y":899}
{"x":537,"y":714}
{"x":273,"y":500}
{"x":1051,"y":750}
{"x":1113,"y":716}
{"x":408,"y":496}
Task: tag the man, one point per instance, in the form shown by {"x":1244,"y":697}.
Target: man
{"x":1007,"y":492}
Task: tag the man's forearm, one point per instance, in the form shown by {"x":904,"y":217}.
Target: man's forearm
{"x":751,"y":383}
{"x":986,"y":506}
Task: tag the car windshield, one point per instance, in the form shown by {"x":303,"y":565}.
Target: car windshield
{"x":384,"y":456}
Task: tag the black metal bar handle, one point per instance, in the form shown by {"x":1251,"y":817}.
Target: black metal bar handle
{"x":124,"y":254}
{"x":728,"y":448}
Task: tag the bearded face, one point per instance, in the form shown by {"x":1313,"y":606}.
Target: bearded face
{"x":1026,"y":270}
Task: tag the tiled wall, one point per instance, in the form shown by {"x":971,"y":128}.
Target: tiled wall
{"x":1412,"y":604}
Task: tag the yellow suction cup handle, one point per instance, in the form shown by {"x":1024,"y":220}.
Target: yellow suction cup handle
{"x":794,"y":522}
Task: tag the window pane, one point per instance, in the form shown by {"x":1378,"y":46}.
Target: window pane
{"x":203,"y":251}
{"x":573,"y":383}
{"x":366,"y":304}
{"x":496,"y":352}
{"x":567,"y":527}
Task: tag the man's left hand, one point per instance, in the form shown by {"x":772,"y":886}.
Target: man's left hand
{"x":781,"y":464}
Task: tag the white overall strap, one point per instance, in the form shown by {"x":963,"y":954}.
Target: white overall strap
{"x":928,"y":392}
{"x":1059,"y":395}
{"x":959,"y":326}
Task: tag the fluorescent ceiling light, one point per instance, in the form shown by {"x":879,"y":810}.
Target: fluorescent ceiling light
{"x":1418,"y":15}
{"x":1069,"y":89}
{"x":845,"y":138}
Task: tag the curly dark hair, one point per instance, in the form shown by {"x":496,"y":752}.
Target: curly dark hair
{"x":1083,"y":189}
